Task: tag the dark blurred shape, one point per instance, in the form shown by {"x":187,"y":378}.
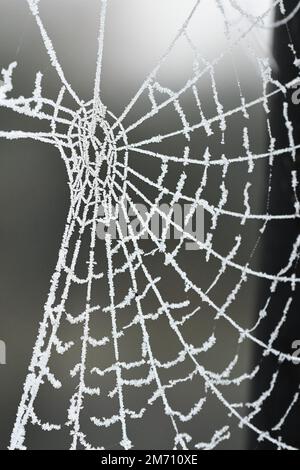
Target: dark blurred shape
{"x":278,"y":244}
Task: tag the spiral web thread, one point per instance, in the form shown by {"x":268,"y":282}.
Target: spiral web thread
{"x":89,"y":190}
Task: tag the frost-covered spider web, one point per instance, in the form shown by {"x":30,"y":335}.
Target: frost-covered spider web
{"x":139,"y":299}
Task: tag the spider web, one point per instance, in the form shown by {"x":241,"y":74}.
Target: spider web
{"x":120,"y":281}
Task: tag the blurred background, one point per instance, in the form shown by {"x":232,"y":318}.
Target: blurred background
{"x":34,"y":197}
